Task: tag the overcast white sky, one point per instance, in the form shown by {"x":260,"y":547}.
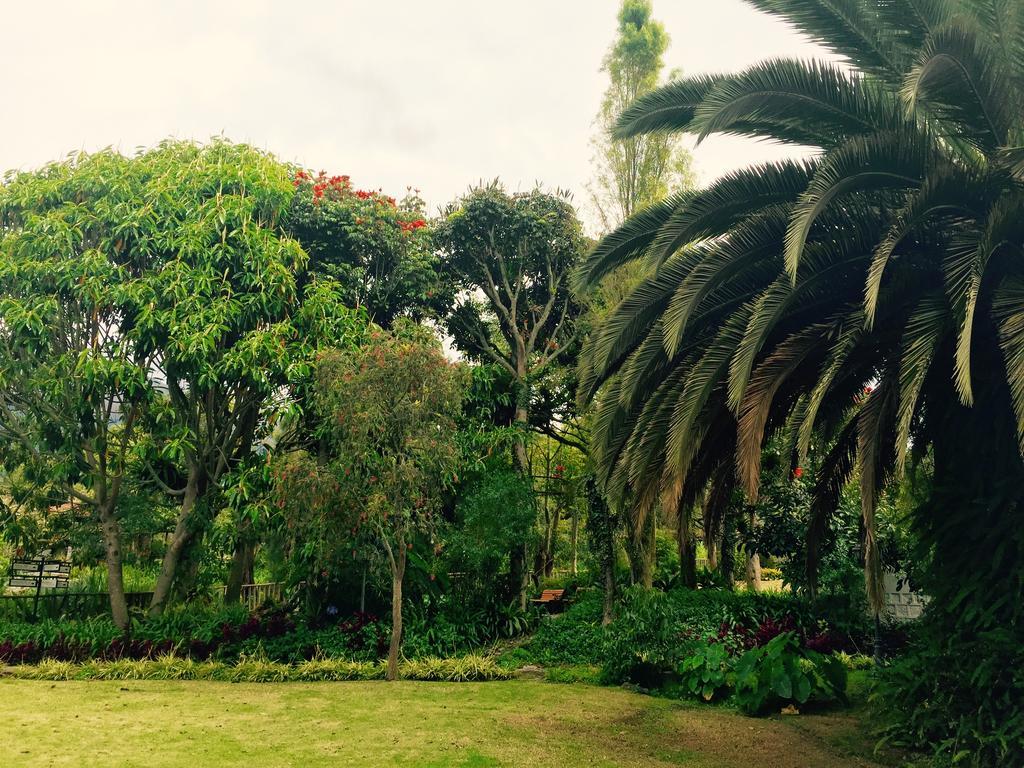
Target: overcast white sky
{"x":436,"y":94}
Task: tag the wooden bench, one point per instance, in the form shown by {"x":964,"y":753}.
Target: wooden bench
{"x":551,"y":598}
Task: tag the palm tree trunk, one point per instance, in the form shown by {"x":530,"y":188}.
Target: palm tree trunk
{"x":687,"y":551}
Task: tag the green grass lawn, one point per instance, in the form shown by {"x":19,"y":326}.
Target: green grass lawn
{"x":158,"y":724}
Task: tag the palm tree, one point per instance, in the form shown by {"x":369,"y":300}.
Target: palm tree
{"x":868,"y":301}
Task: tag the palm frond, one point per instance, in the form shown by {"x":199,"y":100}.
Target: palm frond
{"x":770,"y":375}
{"x":959,"y":77}
{"x":874,"y":441}
{"x":885,"y":160}
{"x":830,"y":479}
{"x":925,"y":330}
{"x":851,"y":28}
{"x":627,"y":243}
{"x":668,"y":109}
{"x":1003,"y":227}
{"x":731,"y":200}
{"x":1008,"y":310}
{"x":785,"y":98}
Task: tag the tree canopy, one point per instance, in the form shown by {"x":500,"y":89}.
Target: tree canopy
{"x":866,"y":301}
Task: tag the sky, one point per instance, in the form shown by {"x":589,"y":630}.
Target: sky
{"x":433,"y":94}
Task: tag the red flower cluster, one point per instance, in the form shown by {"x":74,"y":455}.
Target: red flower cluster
{"x":798,"y":472}
{"x":411,"y":226}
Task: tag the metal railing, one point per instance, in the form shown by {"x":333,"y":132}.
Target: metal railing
{"x":85,"y":604}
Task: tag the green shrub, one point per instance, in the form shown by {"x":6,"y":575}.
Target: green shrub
{"x":705,"y":674}
{"x":782,"y":672}
{"x":644,"y":642}
{"x":771,"y":574}
{"x":454,"y":670}
{"x":960,"y":693}
{"x":573,"y":637}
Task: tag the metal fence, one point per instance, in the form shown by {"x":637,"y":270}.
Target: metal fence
{"x":85,"y":604}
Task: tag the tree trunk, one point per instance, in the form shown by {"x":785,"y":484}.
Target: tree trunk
{"x":549,"y":553}
{"x":115,"y":570}
{"x":641,"y":552}
{"x":178,"y":541}
{"x":518,"y":575}
{"x":574,"y":539}
{"x":754,"y":572}
{"x":687,"y":552}
{"x":397,"y":575}
{"x":712,"y":546}
{"x":601,"y":535}
{"x":727,"y":558}
{"x":241,"y":568}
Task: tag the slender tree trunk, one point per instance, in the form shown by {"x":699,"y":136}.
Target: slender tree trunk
{"x":549,"y":559}
{"x":687,"y":551}
{"x":727,"y":560}
{"x":115,"y":570}
{"x":574,"y":539}
{"x":712,"y":546}
{"x":397,"y":575}
{"x":518,"y":574}
{"x":179,"y":539}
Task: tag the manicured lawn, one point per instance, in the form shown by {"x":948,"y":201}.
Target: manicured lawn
{"x":155,"y":724}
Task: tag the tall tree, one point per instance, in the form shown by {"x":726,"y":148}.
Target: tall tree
{"x":72,"y":377}
{"x":893,"y":258}
{"x":386,"y":417}
{"x":510,"y":258}
{"x":631,"y":173}
{"x":230,"y":316}
{"x":635,"y":171}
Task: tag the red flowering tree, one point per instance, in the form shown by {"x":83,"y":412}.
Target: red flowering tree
{"x":376,"y":247}
{"x":386,"y":424}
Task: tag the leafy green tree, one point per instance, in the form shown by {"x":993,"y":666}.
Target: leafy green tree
{"x":509,"y":258}
{"x":378,"y":250}
{"x":229,"y":318}
{"x":635,"y":171}
{"x":73,"y":379}
{"x":386,"y":418}
{"x":153,"y":311}
{"x":890,"y":259}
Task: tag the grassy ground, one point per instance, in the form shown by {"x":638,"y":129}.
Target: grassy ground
{"x":522,"y":723}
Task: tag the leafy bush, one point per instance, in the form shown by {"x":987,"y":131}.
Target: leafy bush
{"x":225,"y":634}
{"x":574,"y":637}
{"x":963,"y":695}
{"x":645,"y":642}
{"x":655,"y":631}
{"x":705,"y":674}
{"x":855,"y":661}
{"x":783,"y":672}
